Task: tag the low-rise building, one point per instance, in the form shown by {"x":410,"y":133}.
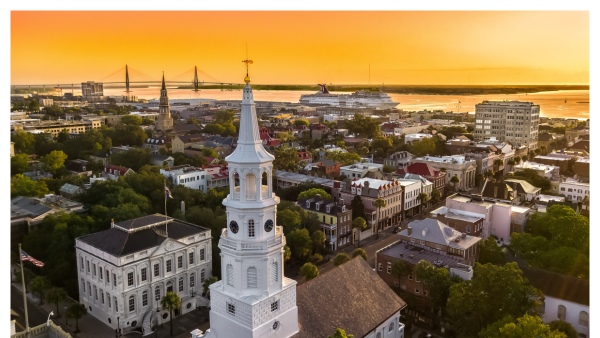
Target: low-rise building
{"x":70,"y":190}
{"x":288,"y":179}
{"x":161,"y":160}
{"x":549,"y":171}
{"x":360,"y":170}
{"x":124,"y":272}
{"x":410,"y":138}
{"x":186,"y":175}
{"x":436,"y":177}
{"x":456,"y":165}
{"x":328,"y":168}
{"x":463,"y":221}
{"x":335,"y":219}
{"x":524,"y":190}
{"x":557,"y":160}
{"x":157,"y":143}
{"x":499,"y":191}
{"x":573,"y":190}
{"x":180,"y":143}
{"x":217,"y":176}
{"x":114,"y":171}
{"x":399,"y":159}
{"x":581,"y":167}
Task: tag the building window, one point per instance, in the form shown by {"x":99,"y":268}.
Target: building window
{"x":274,"y":272}
{"x":157,"y":293}
{"x":251,"y":228}
{"x":468,"y":229}
{"x":87,"y":264}
{"x":145,"y":298}
{"x":583,"y":318}
{"x":202,"y":254}
{"x":417,"y":291}
{"x":94,"y":269}
{"x":131,"y":304}
{"x":389,"y":269}
{"x":95,"y":293}
{"x":108,"y":300}
{"x":130,"y":279}
{"x":116,"y":305}
{"x":180,"y":262}
{"x":114,"y":279}
{"x":144,"y":274}
{"x":252,"y":278}
{"x":169,"y":265}
{"x":156,"y":270}
{"x":562,"y":312}
{"x":378,"y":334}
{"x":101,"y":274}
{"x":202,"y":276}
{"x":191,"y":258}
{"x":391,"y":327}
{"x":229,"y":274}
{"x":82,"y":267}
{"x":192,"y":280}
{"x":83,"y":285}
{"x":107,"y":277}
{"x":181,"y":284}
{"x":410,"y":276}
{"x":89,"y":289}
{"x":380,"y":267}
{"x":102,"y":295}
{"x":231,"y":309}
{"x":274,"y":306}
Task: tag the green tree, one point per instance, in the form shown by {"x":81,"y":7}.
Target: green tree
{"x":289,"y":219}
{"x":489,"y":286}
{"x":207,"y":283}
{"x":76,"y":310}
{"x":363,"y":126}
{"x":309,"y":271}
{"x":359,"y":252}
{"x":56,"y":295}
{"x":19,"y":164}
{"x":287,"y":159}
{"x":438,"y":281}
{"x":423,"y":198}
{"x":360,"y":224}
{"x":318,"y":239}
{"x":379,"y":203}
{"x":358,"y":209}
{"x":564,"y":327}
{"x":301,"y":122}
{"x":133,"y":159}
{"x":388,"y":168}
{"x":131,"y":120}
{"x":214,"y":129}
{"x":24,"y":141}
{"x":38,"y":285}
{"x":300,"y":243}
{"x":287,"y":253}
{"x":399,"y":269}
{"x":170,"y":302}
{"x":423,"y":147}
{"x":346,"y":158}
{"x":340,"y":258}
{"x":192,"y":120}
{"x":526,"y":326}
{"x":314,"y":192}
{"x":34,"y":106}
{"x":455,"y":180}
{"x":23,"y":186}
{"x":490,"y":252}
{"x":54,"y":161}
{"x":498,"y":163}
{"x":436,"y":195}
{"x":339,"y":333}
{"x":209,"y":152}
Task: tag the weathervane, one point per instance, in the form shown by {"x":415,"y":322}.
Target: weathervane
{"x":248,"y":63}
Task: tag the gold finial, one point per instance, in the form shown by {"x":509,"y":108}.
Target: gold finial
{"x":247,"y":62}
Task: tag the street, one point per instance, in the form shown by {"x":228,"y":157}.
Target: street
{"x":36,"y":316}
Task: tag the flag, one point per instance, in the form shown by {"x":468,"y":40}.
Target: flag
{"x":26,"y":257}
{"x":168,"y":192}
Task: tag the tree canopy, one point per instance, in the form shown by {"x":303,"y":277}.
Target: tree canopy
{"x":527,"y":326}
{"x":314,"y":192}
{"x":286,"y":159}
{"x":346,"y":158}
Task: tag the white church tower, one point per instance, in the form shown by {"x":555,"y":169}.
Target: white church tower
{"x":253,"y":299}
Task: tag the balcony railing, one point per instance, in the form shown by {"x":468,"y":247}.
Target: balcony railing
{"x":252,"y":245}
{"x":251,"y":196}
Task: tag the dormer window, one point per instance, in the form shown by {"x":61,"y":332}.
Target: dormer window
{"x":307,"y":204}
{"x":317,"y":206}
{"x":328,"y":209}
{"x":343,"y":208}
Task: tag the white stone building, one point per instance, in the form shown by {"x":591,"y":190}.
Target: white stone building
{"x":574,"y":191}
{"x":361,"y":170}
{"x":455,"y":165}
{"x":188,"y":176}
{"x":410,"y":138}
{"x":513,"y":121}
{"x":125,"y":271}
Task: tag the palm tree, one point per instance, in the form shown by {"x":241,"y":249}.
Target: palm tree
{"x":379,"y":203}
{"x":436,"y":195}
{"x":170,"y":302}
{"x":423,"y":197}
{"x":511,"y":163}
{"x":76,"y":310}
{"x":400,"y":268}
{"x":498,"y":163}
{"x":455,"y":180}
{"x":517,"y":159}
{"x":360,"y":224}
{"x":207,"y":283}
{"x":56,"y":295}
{"x":488,"y":174}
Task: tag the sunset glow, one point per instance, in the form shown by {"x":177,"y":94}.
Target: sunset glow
{"x":304,"y":47}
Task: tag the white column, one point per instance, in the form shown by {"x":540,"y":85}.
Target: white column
{"x":259,"y":186}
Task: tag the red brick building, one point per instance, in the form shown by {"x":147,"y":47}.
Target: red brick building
{"x":328,"y":168}
{"x":460,"y":220}
{"x":435,"y":176}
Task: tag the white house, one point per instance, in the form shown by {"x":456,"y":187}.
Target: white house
{"x":360,"y":170}
{"x":566,"y":298}
{"x":415,"y":137}
{"x":124,"y":271}
{"x":188,"y":176}
{"x":574,"y":191}
{"x":412,"y":189}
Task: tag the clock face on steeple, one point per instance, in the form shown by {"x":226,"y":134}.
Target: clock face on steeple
{"x":234,"y":227}
{"x":268,"y":225}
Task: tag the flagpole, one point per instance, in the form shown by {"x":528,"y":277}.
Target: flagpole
{"x":24,"y":292}
{"x":166,"y":218}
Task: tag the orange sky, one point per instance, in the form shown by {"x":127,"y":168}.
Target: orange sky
{"x":304,"y":47}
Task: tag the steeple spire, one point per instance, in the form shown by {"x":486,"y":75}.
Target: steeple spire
{"x":163,"y":83}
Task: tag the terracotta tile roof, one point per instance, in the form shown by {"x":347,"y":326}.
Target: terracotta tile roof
{"x":355,"y":299}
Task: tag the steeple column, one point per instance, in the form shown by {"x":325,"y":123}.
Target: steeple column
{"x":259,"y":187}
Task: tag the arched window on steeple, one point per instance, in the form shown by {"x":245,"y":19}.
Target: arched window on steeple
{"x":252,"y":278}
{"x":250,"y":182}
{"x":230,"y":275}
{"x":274,"y":273}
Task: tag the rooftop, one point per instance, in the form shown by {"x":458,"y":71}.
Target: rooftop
{"x":457,"y":159}
{"x":362,"y":166}
{"x":357,"y":300}
{"x":413,"y":254}
{"x":458,"y":214}
{"x":432,"y":230}
{"x":303,"y":178}
{"x":559,"y":286}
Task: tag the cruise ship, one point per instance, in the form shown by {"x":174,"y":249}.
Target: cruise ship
{"x":358,"y":99}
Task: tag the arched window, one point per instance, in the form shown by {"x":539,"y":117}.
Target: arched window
{"x":562,"y":312}
{"x":83,"y":285}
{"x":391,"y":327}
{"x":157,"y":293}
{"x":108,"y":299}
{"x":192,"y":280}
{"x":274,"y":272}
{"x":131,"y":303}
{"x":180,"y":284}
{"x":145,"y":298}
{"x":251,"y":228}
{"x":468,"y":229}
{"x":252,"y":283}
{"x":250,"y":182}
{"x":229,"y":274}
{"x":583,"y":318}
{"x":102,"y":295}
{"x":116,"y":305}
{"x":169,"y":287}
{"x":89,"y":289}
{"x":202,"y":276}
{"x":378,"y":334}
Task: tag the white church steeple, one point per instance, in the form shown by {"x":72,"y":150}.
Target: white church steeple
{"x":253,"y":299}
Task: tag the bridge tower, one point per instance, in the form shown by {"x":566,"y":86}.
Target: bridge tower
{"x":196,"y":82}
{"x":127,"y":79}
